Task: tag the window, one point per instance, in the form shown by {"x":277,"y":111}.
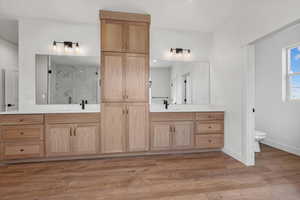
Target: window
{"x":293,"y":73}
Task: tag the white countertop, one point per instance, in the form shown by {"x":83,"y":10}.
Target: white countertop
{"x":43,"y":109}
{"x":96,"y":108}
{"x":187,"y":108}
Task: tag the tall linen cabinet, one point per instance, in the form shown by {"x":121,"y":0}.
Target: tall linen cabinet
{"x":124,"y":82}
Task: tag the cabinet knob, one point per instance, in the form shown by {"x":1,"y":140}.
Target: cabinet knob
{"x":209,"y":141}
{"x":21,"y":150}
{"x":21,"y":133}
{"x":21,"y":120}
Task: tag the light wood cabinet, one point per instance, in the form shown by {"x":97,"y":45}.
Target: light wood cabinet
{"x":138,"y":37}
{"x":85,"y":139}
{"x":124,"y":32}
{"x":137,"y":78}
{"x":113,"y":36}
{"x":209,"y":141}
{"x":58,"y":140}
{"x":124,"y":77}
{"x":21,"y":136}
{"x":23,"y":150}
{"x":183,"y":135}
{"x":71,"y":139}
{"x":161,"y":136}
{"x":112,"y":77}
{"x":113,"y":128}
{"x":138,"y":127}
{"x":124,"y":127}
{"x":171,"y":135}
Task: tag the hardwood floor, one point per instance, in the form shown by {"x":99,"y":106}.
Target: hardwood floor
{"x":204,"y":176}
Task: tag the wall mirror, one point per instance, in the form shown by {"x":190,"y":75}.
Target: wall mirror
{"x":180,"y":82}
{"x":67,"y":79}
{"x":9,"y":67}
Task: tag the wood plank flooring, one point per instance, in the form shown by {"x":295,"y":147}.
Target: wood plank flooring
{"x":203,"y":176}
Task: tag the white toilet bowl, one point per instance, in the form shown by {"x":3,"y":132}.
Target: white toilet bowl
{"x":259,"y":136}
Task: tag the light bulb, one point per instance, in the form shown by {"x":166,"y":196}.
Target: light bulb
{"x":77,"y":49}
{"x":54,"y":46}
{"x":66,"y":49}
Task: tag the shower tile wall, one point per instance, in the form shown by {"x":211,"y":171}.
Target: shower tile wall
{"x":71,"y":84}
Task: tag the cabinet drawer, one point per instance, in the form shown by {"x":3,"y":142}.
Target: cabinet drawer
{"x":209,"y":141}
{"x":21,"y":119}
{"x":210,"y":116}
{"x":73,"y":118}
{"x":22,"y":132}
{"x":172,"y":116}
{"x":209,"y":127}
{"x":22,"y":150}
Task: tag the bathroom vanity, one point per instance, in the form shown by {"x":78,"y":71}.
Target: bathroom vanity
{"x":40,"y":137}
{"x":129,"y":89}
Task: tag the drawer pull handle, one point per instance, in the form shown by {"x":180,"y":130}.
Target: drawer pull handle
{"x":21,"y":133}
{"x":21,"y":120}
{"x":22,"y":150}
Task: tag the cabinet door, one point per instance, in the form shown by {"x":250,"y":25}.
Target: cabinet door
{"x":138,"y":127}
{"x":113,"y":128}
{"x":137,"y":77}
{"x":182,"y":135}
{"x":161,"y":136}
{"x":138,"y":38}
{"x":112,"y":36}
{"x":58,"y":140}
{"x":85,"y":139}
{"x":112,"y":77}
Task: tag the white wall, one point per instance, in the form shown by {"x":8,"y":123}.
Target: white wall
{"x":278,"y":118}
{"x":250,"y":21}
{"x":36,"y":37}
{"x":8,"y":61}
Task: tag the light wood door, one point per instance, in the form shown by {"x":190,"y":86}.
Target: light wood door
{"x":138,"y":37}
{"x":85,"y":139}
{"x":161,"y":136}
{"x":113,"y":128}
{"x":137,"y":78}
{"x":182,"y":135}
{"x":112,"y":77}
{"x":112,"y":36}
{"x":58,"y":140}
{"x":138,"y":127}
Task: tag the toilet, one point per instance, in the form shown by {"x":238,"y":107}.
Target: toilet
{"x":259,"y":136}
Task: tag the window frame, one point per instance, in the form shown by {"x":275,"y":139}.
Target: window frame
{"x":287,"y":73}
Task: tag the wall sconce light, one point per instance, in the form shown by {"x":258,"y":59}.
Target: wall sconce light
{"x":68,"y":46}
{"x":180,"y":51}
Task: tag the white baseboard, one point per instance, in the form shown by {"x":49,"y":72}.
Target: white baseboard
{"x":283,"y":147}
{"x":233,"y":154}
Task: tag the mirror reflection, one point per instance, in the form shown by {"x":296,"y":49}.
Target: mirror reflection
{"x":180,"y":82}
{"x":9,"y":76}
{"x":67,"y":79}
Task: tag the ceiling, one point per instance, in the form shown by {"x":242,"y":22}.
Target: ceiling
{"x":9,"y":30}
{"x":199,"y":15}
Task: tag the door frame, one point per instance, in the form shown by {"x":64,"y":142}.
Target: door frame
{"x":248,"y":112}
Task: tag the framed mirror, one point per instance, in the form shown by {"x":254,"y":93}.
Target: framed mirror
{"x":180,"y":82}
{"x":67,"y":79}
